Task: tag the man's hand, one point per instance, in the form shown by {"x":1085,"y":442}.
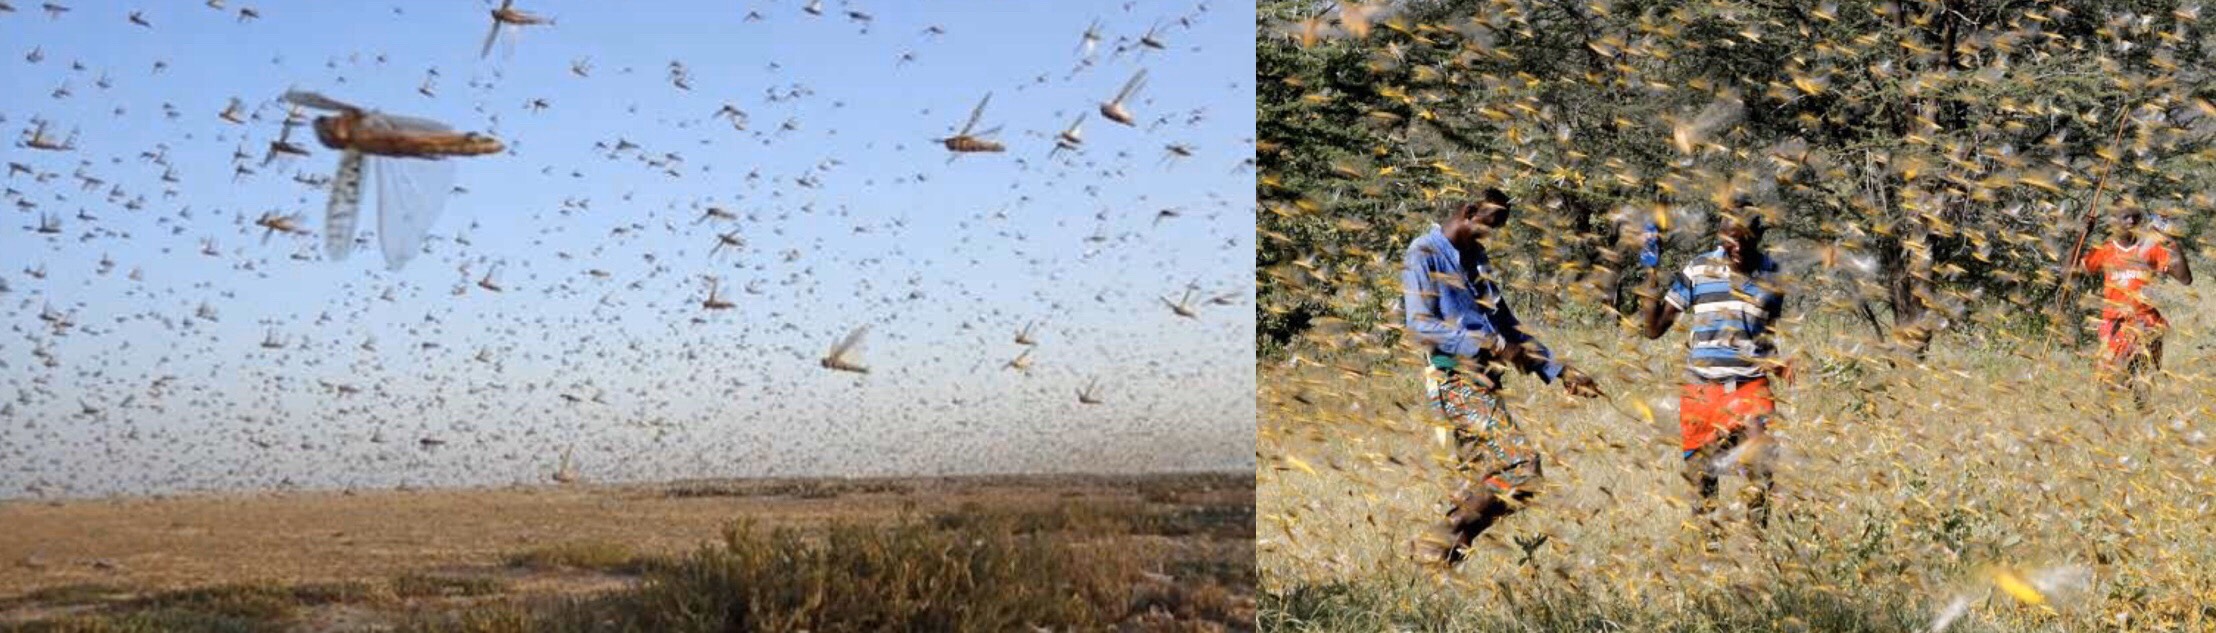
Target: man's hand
{"x":1579,"y":384}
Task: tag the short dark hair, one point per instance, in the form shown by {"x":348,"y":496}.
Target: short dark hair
{"x":1448,"y":207}
{"x":1496,"y":196}
{"x":1748,"y":218}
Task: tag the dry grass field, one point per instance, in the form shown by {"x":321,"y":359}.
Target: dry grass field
{"x":1989,"y":483}
{"x":1163,"y":552}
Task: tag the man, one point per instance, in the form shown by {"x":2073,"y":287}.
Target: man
{"x":1725,"y":402}
{"x":1456,"y":311}
{"x":2131,"y":330}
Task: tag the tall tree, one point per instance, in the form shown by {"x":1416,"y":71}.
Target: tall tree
{"x":1938,"y":159}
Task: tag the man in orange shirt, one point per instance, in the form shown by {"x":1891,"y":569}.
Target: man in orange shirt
{"x":2131,"y":329}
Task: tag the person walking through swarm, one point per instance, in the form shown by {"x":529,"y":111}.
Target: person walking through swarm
{"x":2131,"y":329}
{"x":1456,"y":311}
{"x":1725,"y":405}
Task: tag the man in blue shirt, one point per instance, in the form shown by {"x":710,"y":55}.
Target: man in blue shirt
{"x":1455,"y":310}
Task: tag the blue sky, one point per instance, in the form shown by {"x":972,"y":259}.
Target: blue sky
{"x":945,"y":261}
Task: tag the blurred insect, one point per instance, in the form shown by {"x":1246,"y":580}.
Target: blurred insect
{"x":734,"y":114}
{"x":413,"y":177}
{"x":845,"y":356}
{"x":507,"y":16}
{"x":963,"y":142}
{"x":279,"y":224}
{"x":1183,"y":307}
{"x":1022,"y":361}
{"x":1175,"y":151}
{"x":487,"y":281}
{"x":680,"y":77}
{"x":1357,"y":17}
{"x":1071,"y":138}
{"x":1090,"y":41}
{"x":39,"y":139}
{"x":1152,"y":40}
{"x":1090,"y":394}
{"x":566,"y":473}
{"x":2038,"y":588}
{"x":1687,"y":135}
{"x":732,"y":240}
{"x":715,"y":213}
{"x":1114,"y":109}
{"x":235,"y":113}
{"x":1026,"y":336}
{"x":715,"y":301}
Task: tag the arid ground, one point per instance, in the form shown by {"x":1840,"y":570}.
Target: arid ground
{"x":1905,"y":489}
{"x":1168,"y":552}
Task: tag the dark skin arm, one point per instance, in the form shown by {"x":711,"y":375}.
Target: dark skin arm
{"x":2181,"y":268}
{"x":1655,"y":314}
{"x":1576,"y":382}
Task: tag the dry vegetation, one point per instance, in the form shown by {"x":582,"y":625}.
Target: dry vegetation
{"x":1903,"y":488}
{"x":1153,"y":553}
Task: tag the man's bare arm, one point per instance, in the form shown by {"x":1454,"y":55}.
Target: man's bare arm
{"x":1655,"y":315}
{"x":2181,"y":267}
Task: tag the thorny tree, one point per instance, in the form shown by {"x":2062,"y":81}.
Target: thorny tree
{"x":1935,"y":163}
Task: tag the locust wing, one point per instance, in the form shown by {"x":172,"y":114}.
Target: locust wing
{"x":845,"y":355}
{"x":393,"y":123}
{"x":318,"y":101}
{"x":345,"y":209}
{"x":411,"y":192}
{"x":490,"y":36}
{"x":1138,"y":80}
{"x":974,"y":114}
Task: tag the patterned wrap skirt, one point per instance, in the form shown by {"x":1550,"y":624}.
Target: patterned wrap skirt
{"x":1489,"y":448}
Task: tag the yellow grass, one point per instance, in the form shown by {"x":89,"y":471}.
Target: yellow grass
{"x":1900,"y":488}
{"x":1151,"y":553}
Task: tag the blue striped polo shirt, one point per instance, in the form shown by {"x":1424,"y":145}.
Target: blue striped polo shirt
{"x":1730,"y":315}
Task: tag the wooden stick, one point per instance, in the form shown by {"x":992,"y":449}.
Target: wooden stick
{"x":2069,"y":266}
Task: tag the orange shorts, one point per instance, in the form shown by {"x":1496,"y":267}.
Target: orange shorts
{"x":2123,"y":337}
{"x":1705,"y":410}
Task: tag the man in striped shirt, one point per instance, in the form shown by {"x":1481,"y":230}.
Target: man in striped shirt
{"x":1725,"y":405}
